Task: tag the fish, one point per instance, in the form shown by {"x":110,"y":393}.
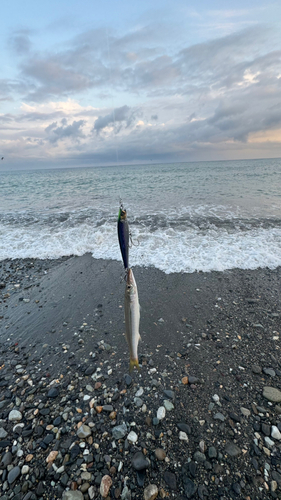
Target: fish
{"x":132,"y":318}
{"x":123,"y":235}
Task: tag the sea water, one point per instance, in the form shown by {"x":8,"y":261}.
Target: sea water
{"x":183,"y":217}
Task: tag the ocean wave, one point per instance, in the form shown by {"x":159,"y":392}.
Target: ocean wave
{"x":205,"y":246}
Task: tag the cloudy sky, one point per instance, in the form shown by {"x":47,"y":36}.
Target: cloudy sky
{"x":91,"y":83}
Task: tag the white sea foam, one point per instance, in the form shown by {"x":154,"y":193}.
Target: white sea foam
{"x":169,"y":249}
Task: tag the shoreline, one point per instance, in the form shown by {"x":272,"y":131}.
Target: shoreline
{"x":64,"y":326}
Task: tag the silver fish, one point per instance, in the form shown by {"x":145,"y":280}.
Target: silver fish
{"x":132,"y":318}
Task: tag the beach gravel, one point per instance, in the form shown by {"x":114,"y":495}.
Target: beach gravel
{"x":75,"y":425}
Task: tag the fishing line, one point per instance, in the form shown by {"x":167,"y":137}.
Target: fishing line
{"x":112,"y":101}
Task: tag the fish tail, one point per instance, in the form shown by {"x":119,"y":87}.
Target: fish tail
{"x":133,"y":363}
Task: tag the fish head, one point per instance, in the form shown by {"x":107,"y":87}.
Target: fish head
{"x":130,"y":283}
{"x":122,"y":214}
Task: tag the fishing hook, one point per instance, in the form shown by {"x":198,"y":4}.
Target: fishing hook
{"x":132,"y":242}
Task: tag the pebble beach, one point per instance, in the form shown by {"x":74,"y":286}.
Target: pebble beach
{"x":202,"y":418}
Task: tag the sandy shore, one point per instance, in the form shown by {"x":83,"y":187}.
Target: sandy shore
{"x":63,"y":320}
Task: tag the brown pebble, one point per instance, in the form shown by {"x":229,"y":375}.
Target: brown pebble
{"x":112,"y":415}
{"x":29,"y":457}
{"x":148,"y":421}
{"x":52,"y":456}
{"x":160,"y":454}
{"x":184,"y":380}
{"x":98,"y":409}
{"x":112,"y":470}
{"x":97,"y":385}
{"x":73,"y":485}
{"x":117,"y":492}
{"x":105,"y":485}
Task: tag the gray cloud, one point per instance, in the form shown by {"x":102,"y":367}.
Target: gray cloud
{"x":123,"y":114}
{"x":56,"y":133}
{"x":20,"y":42}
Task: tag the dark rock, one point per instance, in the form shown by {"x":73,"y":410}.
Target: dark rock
{"x":236,"y":488}
{"x":139,"y":462}
{"x":266,"y":429}
{"x":57,"y":421}
{"x":202,"y":491}
{"x":212,"y":452}
{"x":170,"y":479}
{"x":169,"y":394}
{"x":232,"y":450}
{"x":189,"y":487}
{"x":128,"y":379}
{"x":141,"y":478}
{"x":5,"y":443}
{"x":7,"y":459}
{"x":276,"y":476}
{"x":90,"y":370}
{"x":192,"y":468}
{"x":184,"y":428}
{"x":13,"y":474}
{"x":53,"y":393}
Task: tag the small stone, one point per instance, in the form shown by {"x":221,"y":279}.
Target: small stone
{"x":119,"y":431}
{"x":273,"y":486}
{"x":216,"y":398}
{"x":245,"y":412}
{"x":189,"y":487}
{"x":183,"y":436}
{"x":170,"y":480}
{"x":199,"y":457}
{"x":160,"y":453}
{"x":25,"y":469}
{"x":139,"y":393}
{"x":232,"y":450}
{"x":52,"y":456}
{"x":7,"y":459}
{"x":169,"y":394}
{"x":53,"y":393}
{"x":269,"y":371}
{"x":3,"y":433}
{"x":161,"y":412}
{"x":105,"y":486}
{"x":150,"y":492}
{"x":139,"y":462}
{"x":275,"y":433}
{"x":272,"y":394}
{"x":256,"y":369}
{"x":212,"y":452}
{"x":219,"y":416}
{"x":168,"y":405}
{"x":128,"y":379}
{"x":269,"y":443}
{"x":184,"y":380}
{"x":13,"y":474}
{"x":15,"y":416}
{"x":132,"y":437}
{"x":184,"y":427}
{"x":72,"y":495}
{"x":84,"y":431}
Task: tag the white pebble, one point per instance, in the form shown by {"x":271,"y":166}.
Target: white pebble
{"x":132,"y":437}
{"x":275,"y":433}
{"x":161,"y":412}
{"x":183,"y":436}
{"x":25,"y":469}
{"x":139,"y":392}
{"x":216,"y":398}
